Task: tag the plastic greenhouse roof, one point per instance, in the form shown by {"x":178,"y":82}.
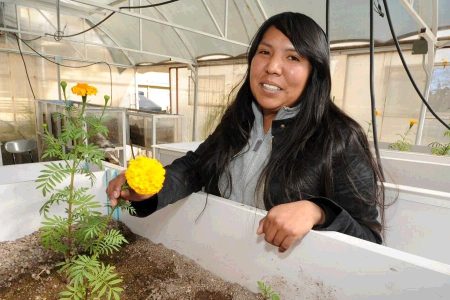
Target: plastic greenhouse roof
{"x":186,"y":30}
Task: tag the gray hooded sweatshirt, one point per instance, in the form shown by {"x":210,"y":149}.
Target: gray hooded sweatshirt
{"x":247,"y":166}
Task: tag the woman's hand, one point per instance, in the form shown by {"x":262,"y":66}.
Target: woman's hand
{"x":286,"y":223}
{"x":114,"y":191}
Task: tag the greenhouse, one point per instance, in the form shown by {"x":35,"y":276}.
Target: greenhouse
{"x":227,"y":126}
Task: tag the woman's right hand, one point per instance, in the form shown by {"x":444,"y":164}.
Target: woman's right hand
{"x":115,"y":192}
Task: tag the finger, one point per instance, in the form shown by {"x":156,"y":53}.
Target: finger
{"x":115,"y":185}
{"x":113,"y":202}
{"x":260,"y":227}
{"x":287,"y":243}
{"x":279,"y":237}
{"x":113,"y":194}
{"x":269,"y":231}
{"x":125,"y":194}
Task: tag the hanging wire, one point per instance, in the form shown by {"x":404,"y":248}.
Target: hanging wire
{"x":372,"y":93}
{"x":25,"y":65}
{"x":59,"y":35}
{"x":378,"y":8}
{"x":60,"y":64}
{"x":405,"y":66}
{"x":148,"y":5}
{"x":327,"y":21}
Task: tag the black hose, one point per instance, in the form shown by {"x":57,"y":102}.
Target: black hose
{"x":327,"y":21}
{"x":372,"y":94}
{"x":400,"y":53}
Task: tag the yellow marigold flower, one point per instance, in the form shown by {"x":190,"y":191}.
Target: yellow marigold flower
{"x":377,"y":113}
{"x":412,"y":122}
{"x":83,"y":89}
{"x":145,"y":175}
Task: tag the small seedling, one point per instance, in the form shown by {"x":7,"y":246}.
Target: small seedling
{"x":267,"y":291}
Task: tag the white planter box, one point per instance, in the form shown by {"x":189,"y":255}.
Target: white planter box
{"x":167,"y":153}
{"x":222,"y":239}
{"x":417,"y":169}
{"x":403,"y":168}
{"x":418,"y":221}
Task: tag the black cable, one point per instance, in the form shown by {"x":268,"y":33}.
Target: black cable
{"x":327,"y":21}
{"x":59,"y":36}
{"x":63,"y":65}
{"x":400,"y":53}
{"x":25,"y":65}
{"x":372,"y":93}
{"x":148,"y":5}
{"x":378,"y":8}
{"x":31,"y":40}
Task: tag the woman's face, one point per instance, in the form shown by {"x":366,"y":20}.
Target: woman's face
{"x":278,"y":74}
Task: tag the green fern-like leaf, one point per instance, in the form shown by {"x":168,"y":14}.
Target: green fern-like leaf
{"x":73,"y":293}
{"x":440,"y":149}
{"x":95,"y":126}
{"x":400,"y":145}
{"x":57,"y":197}
{"x":91,"y":153}
{"x":53,"y":174}
{"x":73,"y":131}
{"x":86,"y":272}
{"x":52,"y":233}
{"x":125,"y":206}
{"x":54,"y":146}
{"x":106,"y":283}
{"x":81,"y":268}
{"x":447,"y":133}
{"x":110,"y":242}
{"x":89,"y":230}
{"x":84,"y":170}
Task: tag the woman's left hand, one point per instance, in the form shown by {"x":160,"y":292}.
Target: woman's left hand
{"x":286,"y":223}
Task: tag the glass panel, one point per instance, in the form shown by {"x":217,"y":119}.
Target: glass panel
{"x":439,"y":100}
{"x":137,"y":130}
{"x":167,"y":130}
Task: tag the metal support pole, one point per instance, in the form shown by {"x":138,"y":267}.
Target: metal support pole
{"x":429,"y":71}
{"x":194,"y":70}
{"x":154,"y":118}
{"x":225,"y":26}
{"x":426,"y":94}
{"x":125,"y":135}
{"x":140,"y":28}
{"x":58,"y":20}
{"x":136,"y":91}
{"x":58,"y":76}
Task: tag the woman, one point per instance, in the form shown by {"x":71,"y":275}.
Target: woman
{"x":282,"y":145}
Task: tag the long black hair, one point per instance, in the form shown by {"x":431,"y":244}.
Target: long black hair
{"x":320,"y":126}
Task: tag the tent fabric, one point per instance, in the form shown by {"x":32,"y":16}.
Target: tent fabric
{"x":188,"y":29}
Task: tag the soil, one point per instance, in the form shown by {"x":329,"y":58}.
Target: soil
{"x":149,"y":271}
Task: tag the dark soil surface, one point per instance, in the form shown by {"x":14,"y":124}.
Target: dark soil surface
{"x":149,"y":271}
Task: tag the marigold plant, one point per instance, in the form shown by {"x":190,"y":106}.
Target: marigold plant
{"x":369,"y":127}
{"x":441,"y":148}
{"x":145,"y":175}
{"x":83,"y":234}
{"x":83,"y":90}
{"x":412,"y":122}
{"x":404,"y":144}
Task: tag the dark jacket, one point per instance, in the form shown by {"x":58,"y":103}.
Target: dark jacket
{"x":347,"y":212}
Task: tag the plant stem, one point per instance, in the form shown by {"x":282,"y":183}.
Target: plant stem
{"x":103,"y":232}
{"x":69,"y":211}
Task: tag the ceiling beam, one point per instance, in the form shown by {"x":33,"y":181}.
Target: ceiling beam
{"x":173,"y":25}
{"x":165,"y":57}
{"x":213,"y":18}
{"x":185,"y":42}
